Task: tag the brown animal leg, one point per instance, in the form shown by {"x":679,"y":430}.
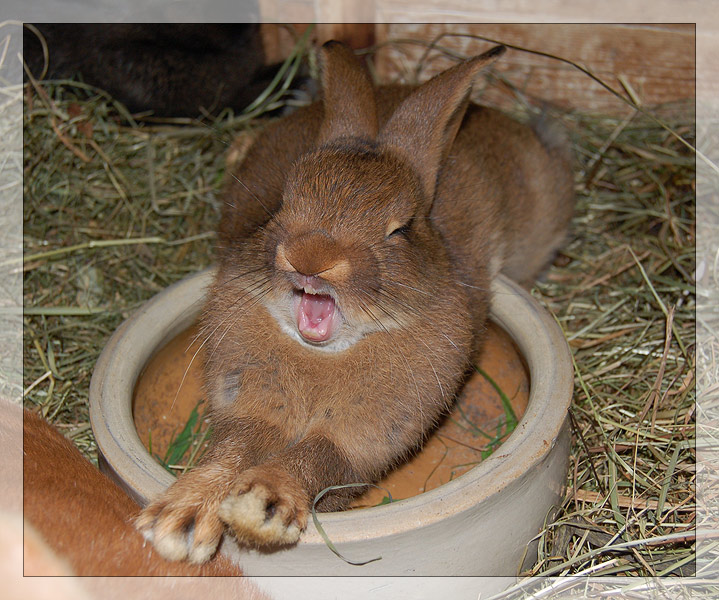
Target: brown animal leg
{"x":270,"y":503}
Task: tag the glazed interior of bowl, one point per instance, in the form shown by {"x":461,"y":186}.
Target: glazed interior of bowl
{"x":169,"y":406}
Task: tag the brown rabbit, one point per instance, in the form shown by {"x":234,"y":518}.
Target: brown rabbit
{"x":356,"y":249}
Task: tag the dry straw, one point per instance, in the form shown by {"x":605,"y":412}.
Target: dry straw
{"x":116,"y":209}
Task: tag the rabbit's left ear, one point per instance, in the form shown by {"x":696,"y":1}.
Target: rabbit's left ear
{"x":424,"y":126}
{"x":348,"y":97}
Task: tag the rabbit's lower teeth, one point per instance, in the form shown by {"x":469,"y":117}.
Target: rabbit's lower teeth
{"x":316,"y":317}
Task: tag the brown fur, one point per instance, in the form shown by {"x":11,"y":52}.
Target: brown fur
{"x":403,"y":211}
{"x":84,"y":517}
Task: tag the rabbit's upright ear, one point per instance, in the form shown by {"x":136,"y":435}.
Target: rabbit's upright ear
{"x":349,"y":103}
{"x":424,"y":126}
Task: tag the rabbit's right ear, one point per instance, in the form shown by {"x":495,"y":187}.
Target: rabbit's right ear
{"x":424,"y":125}
{"x":348,"y":95}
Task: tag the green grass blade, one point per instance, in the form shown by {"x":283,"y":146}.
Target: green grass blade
{"x":323,"y":533}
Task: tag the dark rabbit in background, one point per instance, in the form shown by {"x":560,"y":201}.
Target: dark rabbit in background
{"x":171,"y":69}
{"x":356,"y":249}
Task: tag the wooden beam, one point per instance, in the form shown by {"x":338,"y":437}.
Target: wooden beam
{"x":656,"y":61}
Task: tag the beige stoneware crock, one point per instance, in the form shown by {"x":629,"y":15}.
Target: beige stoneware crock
{"x":476,"y":525}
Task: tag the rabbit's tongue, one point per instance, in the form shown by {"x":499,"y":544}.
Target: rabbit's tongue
{"x":316,"y":317}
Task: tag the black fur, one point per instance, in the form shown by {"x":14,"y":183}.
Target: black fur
{"x":170,"y":69}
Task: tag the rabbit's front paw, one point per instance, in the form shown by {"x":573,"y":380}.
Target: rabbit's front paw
{"x":267,"y":507}
{"x":183,"y":523}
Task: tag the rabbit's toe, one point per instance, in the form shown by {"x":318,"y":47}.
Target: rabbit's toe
{"x":263,"y":511}
{"x":182,"y":525}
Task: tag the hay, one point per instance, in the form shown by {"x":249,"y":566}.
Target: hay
{"x":113,"y":213}
{"x":116,"y":210}
{"x":625,"y":300}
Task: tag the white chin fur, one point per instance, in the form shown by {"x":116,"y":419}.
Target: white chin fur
{"x":342,"y":341}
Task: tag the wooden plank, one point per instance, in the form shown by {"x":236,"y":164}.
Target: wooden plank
{"x":278,"y":40}
{"x":340,"y":13}
{"x":541,"y":11}
{"x":657,"y":61}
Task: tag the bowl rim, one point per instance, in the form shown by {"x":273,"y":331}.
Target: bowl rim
{"x":536,"y":334}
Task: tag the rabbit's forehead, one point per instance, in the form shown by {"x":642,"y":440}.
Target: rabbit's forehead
{"x":336,"y":182}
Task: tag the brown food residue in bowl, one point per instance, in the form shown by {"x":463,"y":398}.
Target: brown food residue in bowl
{"x":170,"y":388}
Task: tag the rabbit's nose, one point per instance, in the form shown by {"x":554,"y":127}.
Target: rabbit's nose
{"x":313,"y":254}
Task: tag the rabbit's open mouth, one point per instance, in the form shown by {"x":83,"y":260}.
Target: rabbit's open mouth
{"x":317,"y":315}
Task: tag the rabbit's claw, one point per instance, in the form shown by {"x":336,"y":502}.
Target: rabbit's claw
{"x":183,"y":523}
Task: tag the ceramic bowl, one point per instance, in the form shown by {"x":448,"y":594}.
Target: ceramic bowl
{"x":477,"y":524}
